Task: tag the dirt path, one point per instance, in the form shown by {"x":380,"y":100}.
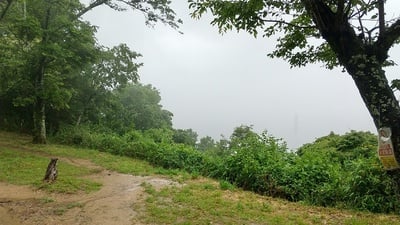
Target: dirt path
{"x":113,"y":204}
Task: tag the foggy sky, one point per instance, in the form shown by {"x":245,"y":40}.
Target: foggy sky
{"x":213,"y":83}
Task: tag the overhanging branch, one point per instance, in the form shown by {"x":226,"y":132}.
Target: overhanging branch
{"x":381,"y":13}
{"x":90,"y":7}
{"x":165,"y":15}
{"x":289,"y":24}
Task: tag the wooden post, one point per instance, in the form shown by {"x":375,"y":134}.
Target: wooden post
{"x":51,"y":172}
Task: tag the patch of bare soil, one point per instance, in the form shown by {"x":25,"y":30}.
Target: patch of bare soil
{"x":113,"y":204}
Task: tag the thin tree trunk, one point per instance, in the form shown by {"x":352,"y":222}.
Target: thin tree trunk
{"x":78,"y":121}
{"x":39,"y":120}
{"x":39,"y":107}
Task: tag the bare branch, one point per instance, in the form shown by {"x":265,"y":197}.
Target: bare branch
{"x":288,"y":23}
{"x":361,"y":24}
{"x":381,"y":12}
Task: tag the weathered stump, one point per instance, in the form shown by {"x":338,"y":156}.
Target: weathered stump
{"x":51,"y":172}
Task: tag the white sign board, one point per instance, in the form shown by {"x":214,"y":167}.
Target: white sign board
{"x":385,"y":149}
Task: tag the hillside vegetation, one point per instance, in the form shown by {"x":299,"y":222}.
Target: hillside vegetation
{"x":197,"y":200}
{"x":336,"y":170}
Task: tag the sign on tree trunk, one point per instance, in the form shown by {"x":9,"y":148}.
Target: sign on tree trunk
{"x":385,"y":149}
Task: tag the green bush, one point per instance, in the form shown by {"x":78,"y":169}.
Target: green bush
{"x":69,"y":135}
{"x":341,"y":171}
{"x":311,"y":178}
{"x":370,"y":188}
{"x":160,"y":152}
{"x":225,"y":185}
{"x":178,"y":156}
{"x":257,"y":164}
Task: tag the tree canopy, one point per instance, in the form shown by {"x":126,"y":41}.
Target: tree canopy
{"x":299,"y":24}
{"x":51,"y":60}
{"x":141,"y":106}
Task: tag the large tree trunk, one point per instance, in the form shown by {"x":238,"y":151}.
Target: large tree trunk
{"x":377,"y":95}
{"x":363,"y":59}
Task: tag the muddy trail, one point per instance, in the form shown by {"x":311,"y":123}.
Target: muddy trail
{"x":119,"y":201}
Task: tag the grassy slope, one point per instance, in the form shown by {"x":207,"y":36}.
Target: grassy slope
{"x":198,"y":201}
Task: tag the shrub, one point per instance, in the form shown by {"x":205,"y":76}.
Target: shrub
{"x":257,"y":164}
{"x":370,"y":188}
{"x":335,"y":170}
{"x":343,"y":171}
{"x":312,"y":178}
{"x":225,"y":185}
{"x":178,"y":156}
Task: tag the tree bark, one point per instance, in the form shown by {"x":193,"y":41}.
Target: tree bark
{"x":39,"y":122}
{"x":51,"y":172}
{"x":39,"y":106}
{"x":381,"y":13}
{"x":377,"y":95}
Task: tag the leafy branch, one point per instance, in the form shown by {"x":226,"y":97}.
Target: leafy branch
{"x":153,"y":10}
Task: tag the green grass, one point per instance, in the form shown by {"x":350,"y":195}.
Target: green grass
{"x":106,"y":160}
{"x":25,"y":163}
{"x":22,"y":163}
{"x":195,"y":200}
{"x":204,"y":202}
{"x":24,"y":168}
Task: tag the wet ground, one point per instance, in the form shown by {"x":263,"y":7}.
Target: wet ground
{"x":118,"y":202}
